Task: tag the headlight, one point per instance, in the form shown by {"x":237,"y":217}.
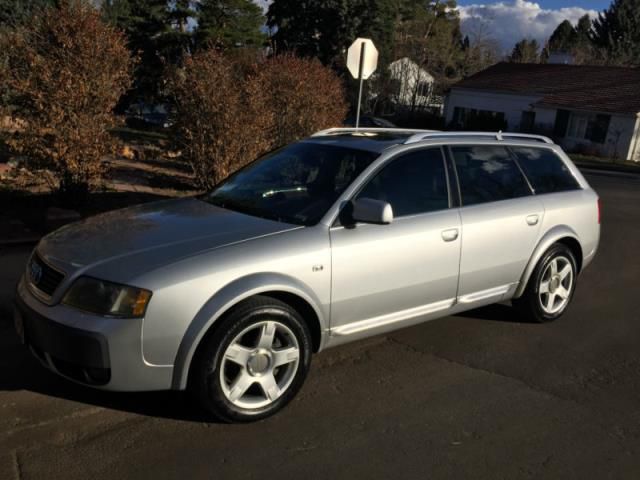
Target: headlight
{"x":106,"y":298}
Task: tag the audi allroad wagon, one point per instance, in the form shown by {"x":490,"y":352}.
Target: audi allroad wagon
{"x":346,"y":234}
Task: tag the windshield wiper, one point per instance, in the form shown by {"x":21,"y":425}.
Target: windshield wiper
{"x":240,"y":207}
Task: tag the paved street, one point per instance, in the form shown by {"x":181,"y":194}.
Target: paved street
{"x":480,"y":395}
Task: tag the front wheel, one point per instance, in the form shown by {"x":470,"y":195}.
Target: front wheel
{"x":254,"y":363}
{"x":551,"y":285}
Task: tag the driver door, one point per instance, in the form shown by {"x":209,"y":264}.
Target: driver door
{"x":388,"y":276}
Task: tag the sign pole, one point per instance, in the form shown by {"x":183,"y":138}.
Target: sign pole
{"x":362,"y":60}
{"x":362,"y":49}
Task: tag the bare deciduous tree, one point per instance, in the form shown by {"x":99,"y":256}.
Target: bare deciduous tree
{"x":219,"y":122}
{"x":63,"y":73}
{"x":228,"y":113}
{"x":303,"y":96}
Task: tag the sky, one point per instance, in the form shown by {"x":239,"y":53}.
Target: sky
{"x":509,"y":21}
{"x":557,"y":4}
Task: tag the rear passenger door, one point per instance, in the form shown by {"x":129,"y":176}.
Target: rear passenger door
{"x":500,"y":218}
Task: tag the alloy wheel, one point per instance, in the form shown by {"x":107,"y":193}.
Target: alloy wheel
{"x":259,"y":364}
{"x":556,"y":284}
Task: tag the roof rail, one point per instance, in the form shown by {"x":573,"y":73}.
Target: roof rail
{"x":332,"y":131}
{"x":496,"y":135}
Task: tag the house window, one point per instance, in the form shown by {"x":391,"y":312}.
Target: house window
{"x":588,"y":127}
{"x":597,"y":128}
{"x":424,"y":89}
{"x":577,"y":126}
{"x":473,"y":119}
{"x":458,"y":114}
{"x":562,"y":123}
{"x":527,"y":121}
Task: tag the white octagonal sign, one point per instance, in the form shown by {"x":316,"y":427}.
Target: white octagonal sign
{"x":370,"y":61}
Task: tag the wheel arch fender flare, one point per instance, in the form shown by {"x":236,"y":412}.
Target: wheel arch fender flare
{"x":223,"y":300}
{"x":549,"y":238}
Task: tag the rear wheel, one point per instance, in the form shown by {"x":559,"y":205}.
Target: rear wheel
{"x":254,"y":362}
{"x":551,"y":285}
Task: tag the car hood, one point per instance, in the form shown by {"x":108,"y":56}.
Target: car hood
{"x":152,"y":234}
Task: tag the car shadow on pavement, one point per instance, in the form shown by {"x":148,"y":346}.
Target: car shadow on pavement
{"x":19,"y":370}
{"x":498,"y":312}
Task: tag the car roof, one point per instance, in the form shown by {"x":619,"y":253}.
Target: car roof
{"x":380,"y":139}
{"x":370,"y":141}
{"x":371,"y":120}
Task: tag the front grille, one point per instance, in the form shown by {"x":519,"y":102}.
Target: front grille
{"x":42,"y":276}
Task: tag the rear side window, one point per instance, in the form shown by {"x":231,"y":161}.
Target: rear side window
{"x":546,"y":172}
{"x":487,"y":174}
{"x":412,"y":183}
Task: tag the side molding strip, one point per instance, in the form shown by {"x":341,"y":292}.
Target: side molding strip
{"x":485,"y":294}
{"x":394,"y":317}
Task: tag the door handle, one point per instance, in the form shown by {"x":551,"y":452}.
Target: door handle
{"x":450,"y":235}
{"x":532,"y":220}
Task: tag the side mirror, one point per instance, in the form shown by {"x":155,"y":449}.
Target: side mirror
{"x":368,"y":210}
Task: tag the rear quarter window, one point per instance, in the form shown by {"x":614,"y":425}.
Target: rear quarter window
{"x":546,"y":172}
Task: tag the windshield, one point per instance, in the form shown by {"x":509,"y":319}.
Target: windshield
{"x":296,"y":184}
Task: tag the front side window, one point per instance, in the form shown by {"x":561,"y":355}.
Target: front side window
{"x":296,"y":184}
{"x":546,"y":172}
{"x":412,"y":183}
{"x":487,"y":174}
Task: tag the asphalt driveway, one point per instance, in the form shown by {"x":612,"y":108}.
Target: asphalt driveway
{"x":480,"y":395}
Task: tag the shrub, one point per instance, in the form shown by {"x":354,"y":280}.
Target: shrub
{"x":62,"y":74}
{"x":220,"y":123}
{"x":228,"y":112}
{"x":303,"y":95}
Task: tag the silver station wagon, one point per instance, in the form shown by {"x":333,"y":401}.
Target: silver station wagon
{"x":343,"y":235}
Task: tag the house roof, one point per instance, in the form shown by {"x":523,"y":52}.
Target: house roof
{"x":593,"y":88}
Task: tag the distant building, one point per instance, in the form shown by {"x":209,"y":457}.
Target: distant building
{"x":564,"y":58}
{"x":412,"y":85}
{"x":591,"y":109}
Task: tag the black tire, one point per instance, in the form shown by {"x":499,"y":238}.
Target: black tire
{"x":530,"y":303}
{"x":205,"y":382}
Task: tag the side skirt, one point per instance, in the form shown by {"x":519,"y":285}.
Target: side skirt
{"x":413,"y":316}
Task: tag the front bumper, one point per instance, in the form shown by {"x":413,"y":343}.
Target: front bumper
{"x":74,"y":353}
{"x":101,"y":352}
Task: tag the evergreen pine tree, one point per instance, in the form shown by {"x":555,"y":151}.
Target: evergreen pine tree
{"x":17,"y":12}
{"x":525,"y":51}
{"x":617,"y":32}
{"x":229,"y":23}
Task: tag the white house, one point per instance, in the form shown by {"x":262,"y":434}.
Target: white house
{"x":412,"y":85}
{"x":589,"y":109}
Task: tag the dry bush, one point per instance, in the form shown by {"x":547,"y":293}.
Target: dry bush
{"x":229,"y":111}
{"x":303,"y":95}
{"x":62,"y":74}
{"x":220,"y":120}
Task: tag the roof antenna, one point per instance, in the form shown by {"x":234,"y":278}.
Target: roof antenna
{"x":499,"y":135}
